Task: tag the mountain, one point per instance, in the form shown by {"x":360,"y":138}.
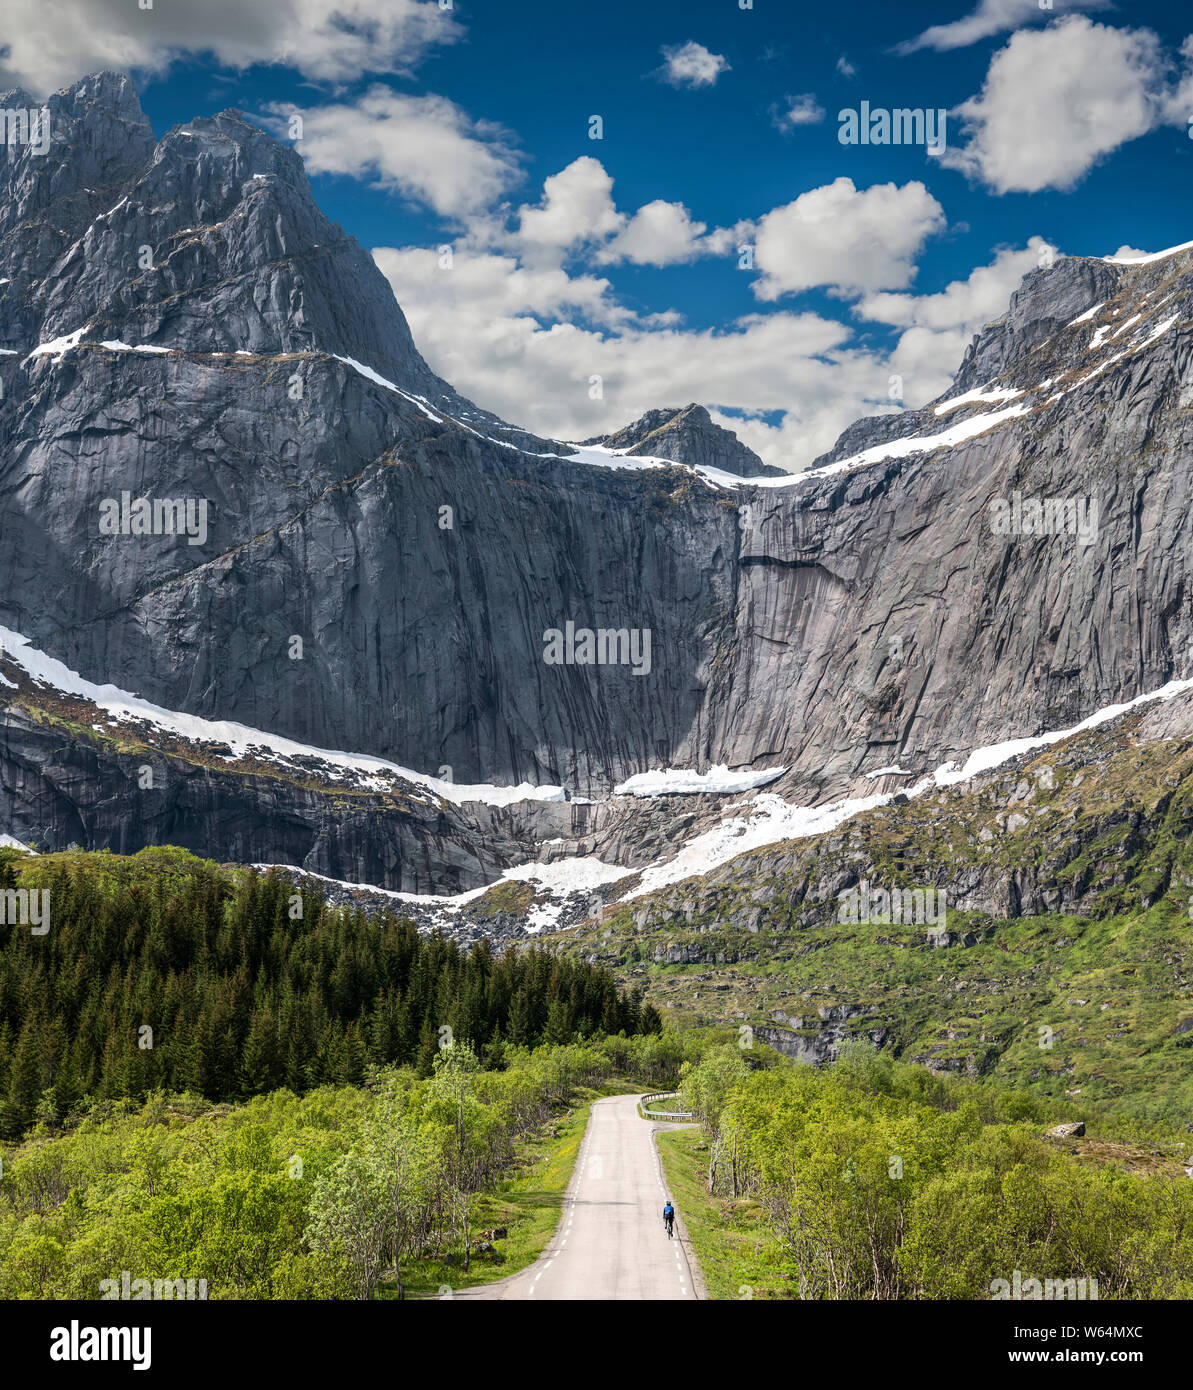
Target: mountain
{"x":1028,"y":924}
{"x":386,"y":568}
{"x":687,"y":435}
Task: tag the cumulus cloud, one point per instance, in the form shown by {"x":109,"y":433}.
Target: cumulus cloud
{"x":845,"y":67}
{"x":939,"y":327}
{"x":50,"y":45}
{"x":425,"y":148}
{"x":795,"y":111}
{"x":691,"y":65}
{"x":492,"y":332}
{"x":526,"y":343}
{"x":576,"y":208}
{"x":978,"y":299}
{"x":658,"y":234}
{"x":1177,"y":103}
{"x":991,"y":17}
{"x":849,"y":239}
{"x":578,"y":215}
{"x":1056,"y":101}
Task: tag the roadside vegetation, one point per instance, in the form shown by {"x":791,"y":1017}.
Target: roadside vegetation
{"x":402,"y":1185}
{"x":875,"y":1179}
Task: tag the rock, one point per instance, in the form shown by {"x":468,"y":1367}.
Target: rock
{"x":423,"y":643}
{"x":1073,"y":1130}
{"x":688,"y":435}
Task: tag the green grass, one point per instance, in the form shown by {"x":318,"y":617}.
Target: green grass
{"x":1113,"y":817}
{"x":668,"y":1105}
{"x":728,"y":1238}
{"x":528,"y":1205}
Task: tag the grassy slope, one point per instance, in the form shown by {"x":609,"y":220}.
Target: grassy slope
{"x":975,"y":1010}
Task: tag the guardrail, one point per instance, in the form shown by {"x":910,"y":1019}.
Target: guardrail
{"x":648,"y":1113}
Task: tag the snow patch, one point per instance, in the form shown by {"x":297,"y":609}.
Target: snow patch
{"x":980,"y":396}
{"x":57,"y":347}
{"x":373,"y":774}
{"x":600,"y":456}
{"x":1147,"y":260}
{"x":1085,"y":318}
{"x":983,"y":759}
{"x":919,"y":444}
{"x":378,"y":380}
{"x":115,"y":345}
{"x":679,"y":781}
{"x":769,"y":819}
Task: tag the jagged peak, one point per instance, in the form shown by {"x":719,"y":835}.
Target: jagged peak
{"x":688,"y":434}
{"x":1040,"y":348}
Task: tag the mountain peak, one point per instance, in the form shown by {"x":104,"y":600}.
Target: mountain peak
{"x":687,"y":434}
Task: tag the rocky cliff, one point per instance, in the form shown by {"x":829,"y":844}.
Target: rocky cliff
{"x":380,"y":559}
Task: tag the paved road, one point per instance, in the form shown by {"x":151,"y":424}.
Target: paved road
{"x":610,"y":1243}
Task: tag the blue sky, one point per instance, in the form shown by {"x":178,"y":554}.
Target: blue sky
{"x":869,"y":267}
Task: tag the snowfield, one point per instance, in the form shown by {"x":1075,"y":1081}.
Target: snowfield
{"x":373,"y":774}
{"x":677,"y":781}
{"x":762,"y":819}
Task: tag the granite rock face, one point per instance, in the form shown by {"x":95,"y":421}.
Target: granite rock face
{"x":688,"y":435}
{"x":382,"y":560}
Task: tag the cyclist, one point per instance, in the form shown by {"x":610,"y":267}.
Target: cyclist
{"x":669,"y":1218}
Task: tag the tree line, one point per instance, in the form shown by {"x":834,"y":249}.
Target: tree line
{"x":166,"y":973}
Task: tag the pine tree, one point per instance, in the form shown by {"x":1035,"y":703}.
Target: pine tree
{"x":27,"y":1079}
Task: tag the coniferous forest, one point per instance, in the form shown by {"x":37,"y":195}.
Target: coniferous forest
{"x":166,"y":973}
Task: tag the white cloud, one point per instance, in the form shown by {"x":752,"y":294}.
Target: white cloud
{"x":1177,"y":104}
{"x":992,"y":17}
{"x":1056,"y":101}
{"x":426,"y":148}
{"x":850,"y":239}
{"x":52,"y":44}
{"x":576,"y":208}
{"x":658,"y":234}
{"x":577,"y":215}
{"x":800,"y":110}
{"x":691,"y":65}
{"x":501,"y":333}
{"x":980,"y":298}
{"x":939,"y":327}
{"x":845,"y":67}
{"x":491,"y":328}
